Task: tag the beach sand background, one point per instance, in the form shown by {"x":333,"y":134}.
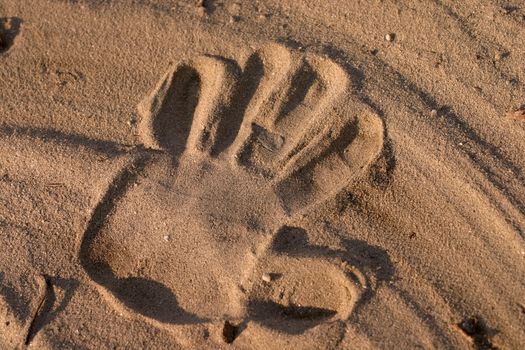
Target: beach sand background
{"x":398,"y":221}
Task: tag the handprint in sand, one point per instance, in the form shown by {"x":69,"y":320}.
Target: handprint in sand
{"x":231,"y":155}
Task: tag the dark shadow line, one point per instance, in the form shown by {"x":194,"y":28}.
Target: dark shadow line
{"x":9,"y":30}
{"x":105,"y":206}
{"x":463,"y":132}
{"x":427,"y":318}
{"x":68,"y":139}
{"x":302,"y":81}
{"x":298,"y":182}
{"x":341,"y":58}
{"x":68,"y":286}
{"x":245,"y":88}
{"x":357,"y":78}
{"x":45,"y":304}
{"x":45,"y":313}
{"x":460,"y":123}
{"x":19,"y":307}
{"x":173,"y":122}
{"x":290,"y":319}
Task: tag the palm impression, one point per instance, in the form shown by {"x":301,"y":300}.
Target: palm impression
{"x":232,"y":154}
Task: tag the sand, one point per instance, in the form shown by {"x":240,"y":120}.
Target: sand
{"x":262,"y":174}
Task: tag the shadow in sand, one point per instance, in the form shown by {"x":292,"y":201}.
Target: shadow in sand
{"x":293,"y":242}
{"x":290,"y":319}
{"x":363,"y":256}
{"x":66,"y":139}
{"x":382,"y":170}
{"x":12,"y":297}
{"x":57,"y":295}
{"x":146,"y":297}
{"x":151,"y":299}
{"x":9,"y":29}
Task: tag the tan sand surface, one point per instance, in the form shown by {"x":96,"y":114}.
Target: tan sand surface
{"x":225,"y":174}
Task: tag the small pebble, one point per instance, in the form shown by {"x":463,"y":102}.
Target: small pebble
{"x":235,"y":9}
{"x":167,"y":238}
{"x":8,"y":25}
{"x":201,"y":11}
{"x":498,"y":56}
{"x":266,"y":277}
{"x":390,"y":37}
{"x":508,"y":9}
{"x":433,"y":113}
